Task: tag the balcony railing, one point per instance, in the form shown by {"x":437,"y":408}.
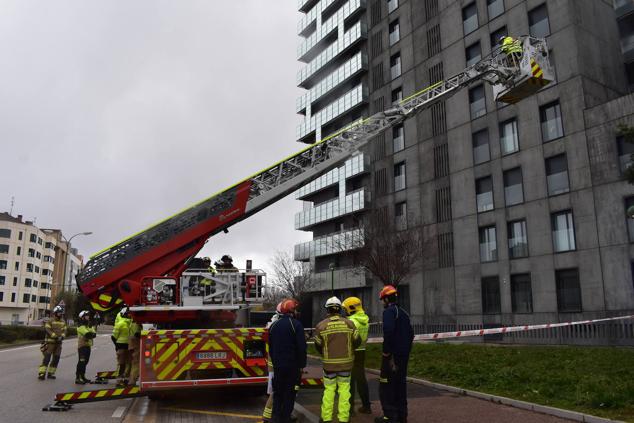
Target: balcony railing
{"x":339,"y":279}
{"x":353,"y":202}
{"x":352,"y":167}
{"x":334,"y":243}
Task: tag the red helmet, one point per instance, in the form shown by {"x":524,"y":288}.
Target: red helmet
{"x":288,"y":306}
{"x":278,"y":308}
{"x":387,"y":291}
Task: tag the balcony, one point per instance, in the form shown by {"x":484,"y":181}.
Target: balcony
{"x":351,"y":203}
{"x":343,"y":104}
{"x":342,"y":74}
{"x":343,"y":279}
{"x":334,"y":243}
{"x":352,"y":167}
{"x":306,"y":5}
{"x":349,"y":39}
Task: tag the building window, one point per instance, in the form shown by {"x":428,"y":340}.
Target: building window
{"x":629,"y":202}
{"x":27,"y":282}
{"x":31,"y":252}
{"x":481,"y":152}
{"x":568,"y":291}
{"x":395,"y":34}
{"x":395,"y":66}
{"x":13,"y":297}
{"x":470,"y":18}
{"x":3,"y":264}
{"x":550,"y":117}
{"x":399,"y":176}
{"x":538,"y":22}
{"x":488,"y":244}
{"x":557,"y":174}
{"x":38,"y":255}
{"x":509,"y":137}
{"x":20,"y":234}
{"x":445,"y":250}
{"x":521,"y":293}
{"x":398,"y":138}
{"x":15,"y":281}
{"x":495,"y":8}
{"x":397,"y":96}
{"x":484,"y":194}
{"x":518,"y":239}
{"x":4,"y":249}
{"x":392,"y":5}
{"x":563,"y":231}
{"x":2,"y":279}
{"x":513,"y":191}
{"x":26,"y":298}
{"x":477,"y":102}
{"x":496,"y":36}
{"x":45,"y":272}
{"x":18,"y":251}
{"x":443,"y":204}
{"x":33,"y":238}
{"x":34,"y":283}
{"x":17,"y":266}
{"x":1,"y":296}
{"x":491,"y":295}
{"x":473,"y":54}
{"x":5,"y":233}
{"x":37,"y":269}
{"x":625,"y":150}
{"x":29,"y":267}
{"x":400,"y":216}
{"x":433,"y":41}
{"x":39,"y":240}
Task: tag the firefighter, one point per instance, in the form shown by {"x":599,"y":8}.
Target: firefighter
{"x":267,"y":414}
{"x":512,"y":48}
{"x":397,"y":345}
{"x":85,"y":335}
{"x":52,"y":346}
{"x":335,"y":339}
{"x":120,"y":335}
{"x":354,"y":310}
{"x":287,"y":349}
{"x":134,"y":347}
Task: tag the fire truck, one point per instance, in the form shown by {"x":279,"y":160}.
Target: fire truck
{"x":201,"y":338}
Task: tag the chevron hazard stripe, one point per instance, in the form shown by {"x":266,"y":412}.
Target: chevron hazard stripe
{"x":98,"y":395}
{"x":112,"y":374}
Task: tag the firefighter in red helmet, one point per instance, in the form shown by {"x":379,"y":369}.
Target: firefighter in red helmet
{"x":397,"y":345}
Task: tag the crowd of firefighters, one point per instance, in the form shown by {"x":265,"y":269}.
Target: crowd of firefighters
{"x":340,"y":340}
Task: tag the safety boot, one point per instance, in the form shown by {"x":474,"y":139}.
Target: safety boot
{"x":41,"y":376}
{"x":50,"y":376}
{"x":79,"y":381}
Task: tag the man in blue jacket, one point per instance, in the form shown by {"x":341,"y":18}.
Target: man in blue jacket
{"x":287,"y":351}
{"x":397,"y":345}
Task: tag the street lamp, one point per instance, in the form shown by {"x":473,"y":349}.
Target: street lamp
{"x":68,"y":256}
{"x":332,"y":279}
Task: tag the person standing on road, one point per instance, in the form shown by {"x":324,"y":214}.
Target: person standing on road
{"x":267,"y":414}
{"x":85,"y":335}
{"x":397,"y":345}
{"x":52,"y":347}
{"x":355,"y":312}
{"x":134,"y":347}
{"x":120,"y":335}
{"x":287,"y":349}
{"x":335,"y":339}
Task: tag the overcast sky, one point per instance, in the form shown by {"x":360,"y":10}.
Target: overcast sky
{"x":116,"y":114}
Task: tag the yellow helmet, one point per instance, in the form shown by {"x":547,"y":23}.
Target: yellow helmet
{"x":352,"y":305}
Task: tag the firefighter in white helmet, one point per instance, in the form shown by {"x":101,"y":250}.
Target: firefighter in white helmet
{"x":52,"y":346}
{"x":336,"y":338}
{"x":85,"y":335}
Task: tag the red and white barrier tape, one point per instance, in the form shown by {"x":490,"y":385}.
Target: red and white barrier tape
{"x":508,"y":329}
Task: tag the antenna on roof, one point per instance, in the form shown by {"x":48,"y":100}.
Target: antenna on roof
{"x":12,"y":203}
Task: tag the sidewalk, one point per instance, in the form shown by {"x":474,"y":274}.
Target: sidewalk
{"x":431,"y":405}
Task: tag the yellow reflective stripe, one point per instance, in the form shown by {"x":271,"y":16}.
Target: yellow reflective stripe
{"x":84,"y":395}
{"x":67,"y":397}
{"x":237,"y":365}
{"x":101,"y":393}
{"x":117,"y":391}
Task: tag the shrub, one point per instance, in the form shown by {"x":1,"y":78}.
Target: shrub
{"x":7,"y":335}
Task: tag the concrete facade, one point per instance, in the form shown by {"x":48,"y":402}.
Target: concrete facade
{"x":575,"y":256}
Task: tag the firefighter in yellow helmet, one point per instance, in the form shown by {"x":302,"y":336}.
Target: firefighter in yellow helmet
{"x":512,"y":48}
{"x":354,"y":310}
{"x":335,"y":339}
{"x":52,"y":346}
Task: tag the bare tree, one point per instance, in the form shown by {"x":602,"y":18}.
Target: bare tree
{"x":290,"y":279}
{"x":384,"y":247}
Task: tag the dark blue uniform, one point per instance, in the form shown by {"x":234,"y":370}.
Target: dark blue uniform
{"x":397,"y":344}
{"x":287,"y":350}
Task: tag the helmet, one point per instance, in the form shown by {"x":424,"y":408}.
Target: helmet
{"x":58,"y":310}
{"x":84,"y":314}
{"x":124,"y":312}
{"x":278,"y":308}
{"x":333,"y":302}
{"x":352,"y":305}
{"x":288,"y":306}
{"x":387,"y":291}
{"x":502,"y":38}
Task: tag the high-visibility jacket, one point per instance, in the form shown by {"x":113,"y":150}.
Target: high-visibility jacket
{"x":134,"y":332}
{"x":85,"y":335}
{"x":121,"y":331}
{"x":336,"y":338}
{"x":55,"y":330}
{"x":509,"y":45}
{"x":361,"y":321}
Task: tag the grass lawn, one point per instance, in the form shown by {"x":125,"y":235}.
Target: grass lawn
{"x":593,"y":380}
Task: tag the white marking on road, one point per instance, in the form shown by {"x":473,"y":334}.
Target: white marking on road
{"x":118,"y":413}
{"x":312,"y":418}
{"x":19,"y":348}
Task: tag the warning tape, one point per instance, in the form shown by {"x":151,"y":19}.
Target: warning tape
{"x":506,"y":329}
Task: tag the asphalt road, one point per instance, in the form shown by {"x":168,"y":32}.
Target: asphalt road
{"x":22,"y":395}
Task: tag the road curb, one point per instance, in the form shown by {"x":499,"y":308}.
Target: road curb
{"x":308,"y":415}
{"x":543,"y":409}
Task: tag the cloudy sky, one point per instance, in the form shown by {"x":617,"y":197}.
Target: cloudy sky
{"x":116,"y":114}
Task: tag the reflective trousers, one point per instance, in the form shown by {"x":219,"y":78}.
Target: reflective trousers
{"x":333,"y":383}
{"x":51,"y":354}
{"x":393,"y":388}
{"x":358,"y":381}
{"x":123,"y":361}
{"x":267,"y":414}
{"x":135,"y":351}
{"x":83,"y":354}
{"x":285,"y":386}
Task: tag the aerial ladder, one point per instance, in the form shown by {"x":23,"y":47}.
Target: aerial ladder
{"x":149,"y":271}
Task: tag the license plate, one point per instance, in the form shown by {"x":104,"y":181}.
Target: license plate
{"x":218,"y":355}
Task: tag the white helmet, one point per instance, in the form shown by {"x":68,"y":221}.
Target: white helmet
{"x":333,"y":302}
{"x":58,"y":309}
{"x":83,"y":314}
{"x":124,"y":312}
